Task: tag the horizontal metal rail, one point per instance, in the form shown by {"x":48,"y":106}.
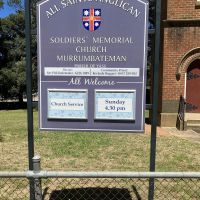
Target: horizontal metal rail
{"x":73,"y":174}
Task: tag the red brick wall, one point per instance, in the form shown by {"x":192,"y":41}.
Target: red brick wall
{"x":177,"y":42}
{"x":177,"y":39}
{"x":182,"y":9}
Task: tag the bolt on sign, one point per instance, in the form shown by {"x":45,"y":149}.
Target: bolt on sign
{"x":92,"y":64}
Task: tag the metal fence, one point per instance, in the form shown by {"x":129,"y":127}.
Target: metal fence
{"x":98,"y":185}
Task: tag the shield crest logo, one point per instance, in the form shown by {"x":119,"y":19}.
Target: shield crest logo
{"x":91,"y":19}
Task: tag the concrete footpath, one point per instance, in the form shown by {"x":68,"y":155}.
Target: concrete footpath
{"x":193,"y":135}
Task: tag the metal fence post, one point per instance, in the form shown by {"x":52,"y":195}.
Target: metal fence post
{"x":29,"y":90}
{"x":37,"y":181}
{"x":155,"y":97}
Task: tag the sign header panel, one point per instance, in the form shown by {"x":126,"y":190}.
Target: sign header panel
{"x":92,"y":55}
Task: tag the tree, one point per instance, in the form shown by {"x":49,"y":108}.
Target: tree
{"x":12,"y":71}
{"x":17,"y":4}
{"x":1,"y":4}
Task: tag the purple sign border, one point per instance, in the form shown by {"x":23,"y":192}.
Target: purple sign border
{"x":143,"y":80}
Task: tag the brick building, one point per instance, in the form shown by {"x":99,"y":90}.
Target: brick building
{"x":180,"y":60}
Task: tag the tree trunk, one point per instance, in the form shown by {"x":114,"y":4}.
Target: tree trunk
{"x":20,"y":98}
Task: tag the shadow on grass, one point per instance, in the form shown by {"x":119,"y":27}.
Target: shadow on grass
{"x":1,"y":138}
{"x":93,"y":194}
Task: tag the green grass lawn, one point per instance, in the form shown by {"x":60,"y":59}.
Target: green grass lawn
{"x":88,"y":151}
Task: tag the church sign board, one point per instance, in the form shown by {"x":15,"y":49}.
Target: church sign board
{"x":92,"y":64}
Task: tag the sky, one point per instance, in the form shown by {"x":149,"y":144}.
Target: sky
{"x":5,"y":11}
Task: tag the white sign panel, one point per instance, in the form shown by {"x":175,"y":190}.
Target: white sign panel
{"x":115,"y":105}
{"x":67,"y":104}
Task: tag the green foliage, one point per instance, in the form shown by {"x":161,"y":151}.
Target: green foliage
{"x":1,"y":4}
{"x":12,"y":69}
{"x":17,"y":4}
{"x":13,"y":79}
{"x":12,"y":72}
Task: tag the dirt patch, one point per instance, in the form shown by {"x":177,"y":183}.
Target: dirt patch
{"x":192,"y":135}
{"x":160,"y":131}
{"x":188,"y":134}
